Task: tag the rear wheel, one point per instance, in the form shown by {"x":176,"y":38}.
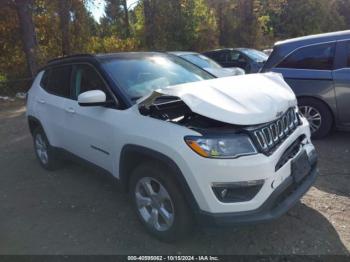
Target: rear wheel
{"x":319,"y":116}
{"x":44,"y":152}
{"x":159,"y":203}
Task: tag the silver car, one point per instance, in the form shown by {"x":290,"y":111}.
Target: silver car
{"x":208,"y":64}
{"x":317,"y":68}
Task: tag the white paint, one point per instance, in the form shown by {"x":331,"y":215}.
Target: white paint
{"x":91,"y":97}
{"x":242,"y":100}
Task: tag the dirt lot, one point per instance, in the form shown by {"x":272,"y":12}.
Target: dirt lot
{"x":77,"y":210}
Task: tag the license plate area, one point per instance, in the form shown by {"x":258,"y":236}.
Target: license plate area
{"x":300,"y":166}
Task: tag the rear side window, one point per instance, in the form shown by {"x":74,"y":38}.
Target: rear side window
{"x":221,"y":56}
{"x":318,"y":57}
{"x":348,"y":54}
{"x":217,"y":56}
{"x":45,"y":79}
{"x":58,"y":82}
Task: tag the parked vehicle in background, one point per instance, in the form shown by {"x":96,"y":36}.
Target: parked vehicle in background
{"x":208,"y":64}
{"x":267,"y":51}
{"x":317,"y":68}
{"x":188,"y":147}
{"x":250,"y":60}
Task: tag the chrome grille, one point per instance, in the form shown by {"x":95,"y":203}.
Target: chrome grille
{"x":268,"y":137}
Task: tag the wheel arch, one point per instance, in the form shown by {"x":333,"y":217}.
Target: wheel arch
{"x":131,"y":155}
{"x":34,"y":123}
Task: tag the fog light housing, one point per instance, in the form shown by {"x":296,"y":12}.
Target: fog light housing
{"x":237,"y":191}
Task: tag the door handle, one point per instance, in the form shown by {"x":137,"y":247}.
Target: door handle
{"x":41,"y":101}
{"x":70,"y":110}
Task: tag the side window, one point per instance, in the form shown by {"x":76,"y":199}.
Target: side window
{"x":85,"y":79}
{"x":235,"y":56}
{"x":218,"y":56}
{"x":319,"y":57}
{"x":58,"y":82}
{"x":221,"y":56}
{"x":45,"y":80}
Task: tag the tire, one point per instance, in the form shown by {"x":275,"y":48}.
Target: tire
{"x":45,"y":153}
{"x":180,"y":220}
{"x":314,"y":109}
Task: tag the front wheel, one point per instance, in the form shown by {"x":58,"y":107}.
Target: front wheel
{"x":159,"y":203}
{"x":318,"y":115}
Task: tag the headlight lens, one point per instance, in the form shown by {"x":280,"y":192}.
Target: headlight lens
{"x":221,"y":147}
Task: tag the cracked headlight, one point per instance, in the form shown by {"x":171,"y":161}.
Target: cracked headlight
{"x":221,"y":147}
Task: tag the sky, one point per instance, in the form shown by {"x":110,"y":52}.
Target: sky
{"x":97,"y":7}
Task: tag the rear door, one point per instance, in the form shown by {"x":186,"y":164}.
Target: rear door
{"x":54,"y":93}
{"x":308,"y":70}
{"x":341,"y":76}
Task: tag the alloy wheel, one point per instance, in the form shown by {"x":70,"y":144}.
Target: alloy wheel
{"x":313,"y":116}
{"x":154,"y":204}
{"x":41,"y":149}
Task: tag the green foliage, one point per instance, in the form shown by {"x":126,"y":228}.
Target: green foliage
{"x":300,"y":17}
{"x":176,"y":25}
{"x":167,"y":25}
{"x":110,"y":44}
{"x":12,"y":61}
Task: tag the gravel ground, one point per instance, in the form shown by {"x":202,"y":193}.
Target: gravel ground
{"x":78,"y":210}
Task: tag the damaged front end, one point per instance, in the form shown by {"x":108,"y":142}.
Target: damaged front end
{"x":173,"y":109}
{"x":217,"y":140}
{"x":253,"y":112}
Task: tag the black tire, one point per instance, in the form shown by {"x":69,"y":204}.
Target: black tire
{"x":326,"y":123}
{"x":52,"y":161}
{"x":183,"y":217}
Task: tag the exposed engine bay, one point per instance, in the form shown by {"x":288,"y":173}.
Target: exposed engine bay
{"x":173,"y":109}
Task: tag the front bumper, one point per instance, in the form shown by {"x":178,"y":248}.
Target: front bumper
{"x":278,"y":203}
{"x":202,"y":175}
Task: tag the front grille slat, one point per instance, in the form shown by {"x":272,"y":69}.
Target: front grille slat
{"x":268,"y":137}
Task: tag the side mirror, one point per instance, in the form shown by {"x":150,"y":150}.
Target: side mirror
{"x":92,"y":98}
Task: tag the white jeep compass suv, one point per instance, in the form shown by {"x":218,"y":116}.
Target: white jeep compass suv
{"x":189,"y":148}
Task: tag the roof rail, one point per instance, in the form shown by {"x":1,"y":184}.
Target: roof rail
{"x":69,"y":56}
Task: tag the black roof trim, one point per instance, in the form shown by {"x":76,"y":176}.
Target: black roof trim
{"x":69,"y":56}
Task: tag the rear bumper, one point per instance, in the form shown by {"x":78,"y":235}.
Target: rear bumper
{"x":279,"y":202}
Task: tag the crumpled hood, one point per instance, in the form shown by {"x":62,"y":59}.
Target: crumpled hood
{"x":240,"y":100}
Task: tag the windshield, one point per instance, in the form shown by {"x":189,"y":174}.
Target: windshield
{"x":140,"y":75}
{"x":201,"y":61}
{"x":256,"y":55}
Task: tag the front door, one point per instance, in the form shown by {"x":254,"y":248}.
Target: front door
{"x":88,"y":128}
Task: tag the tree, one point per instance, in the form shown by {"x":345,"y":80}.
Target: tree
{"x":34,"y":31}
{"x":304,"y":17}
{"x":63,"y":10}
{"x":12,"y":59}
{"x":116,"y":19}
{"x":149,"y":9}
{"x":26,"y":26}
{"x":175,"y":24}
{"x":82,"y":26}
{"x":126,"y":18}
{"x":343,"y":9}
